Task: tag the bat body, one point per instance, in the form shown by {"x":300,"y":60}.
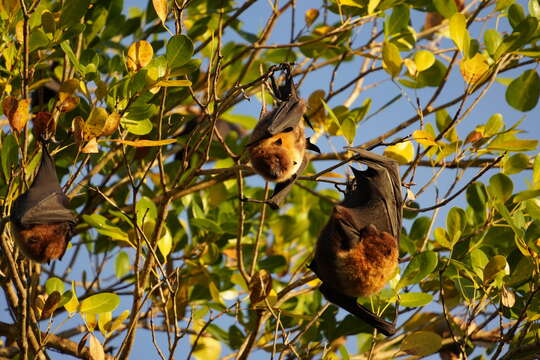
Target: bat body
{"x":42,"y":221}
{"x":277,"y":145}
{"x":357,"y":250}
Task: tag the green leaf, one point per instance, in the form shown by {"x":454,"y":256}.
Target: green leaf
{"x":146,"y":210}
{"x":494,"y":125}
{"x":38,"y":39}
{"x":477,"y":196}
{"x":421,"y":343}
{"x":372,"y":5}
{"x":500,"y":187}
{"x":526,"y":195}
{"x":459,"y":33}
{"x":72,"y":12}
{"x":122,"y":264}
{"x":140,"y":127}
{"x":54,"y":284}
{"x":509,"y":142}
{"x":71,"y":55}
{"x":534,"y":8}
{"x":179,"y":51}
{"x":418,"y":268}
{"x":100,"y":303}
{"x":446,"y":8}
{"x":392,"y":61}
{"x":496,"y":265}
{"x":522,"y":93}
{"x":455,"y":221}
{"x":246,"y":121}
{"x":493,"y":40}
{"x":516,"y":15}
{"x":515,"y":164}
{"x":424,"y":60}
{"x":397,"y":21}
{"x":415,"y":299}
{"x":9,"y":155}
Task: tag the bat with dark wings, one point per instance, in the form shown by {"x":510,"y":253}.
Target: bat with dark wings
{"x":42,"y":221}
{"x":277,"y":145}
{"x":357,"y":251}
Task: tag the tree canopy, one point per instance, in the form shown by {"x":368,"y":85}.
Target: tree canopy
{"x":150,"y":109}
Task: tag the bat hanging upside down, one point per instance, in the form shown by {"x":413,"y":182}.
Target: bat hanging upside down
{"x":277,"y":144}
{"x":41,"y":220}
{"x":357,"y":251}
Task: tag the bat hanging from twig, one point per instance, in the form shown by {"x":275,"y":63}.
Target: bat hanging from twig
{"x":42,"y":222}
{"x":277,"y":145}
{"x":357,"y":251}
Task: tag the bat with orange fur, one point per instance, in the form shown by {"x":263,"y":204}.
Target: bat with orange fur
{"x":357,"y":251}
{"x":277,"y":145}
{"x":42,"y":222}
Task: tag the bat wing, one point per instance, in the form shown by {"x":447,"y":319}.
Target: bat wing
{"x":44,"y":202}
{"x":350,"y":304}
{"x":382,"y":204}
{"x":282,"y":189}
{"x":284,"y":117}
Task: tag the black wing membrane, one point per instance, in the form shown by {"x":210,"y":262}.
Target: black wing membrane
{"x":44,"y":202}
{"x":376,"y":193}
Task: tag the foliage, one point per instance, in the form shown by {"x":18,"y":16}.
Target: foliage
{"x":149,"y":113}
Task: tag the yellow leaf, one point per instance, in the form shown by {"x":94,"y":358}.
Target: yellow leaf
{"x":310,"y":16}
{"x":169,"y":83}
{"x":144,"y":143}
{"x":459,"y":33}
{"x":96,"y":122}
{"x":333,"y":175}
{"x":473,"y":69}
{"x":423,"y":137}
{"x":402,"y":152}
{"x":73,"y":304}
{"x":160,"y":6}
{"x":139,"y":55}
{"x":423,"y":60}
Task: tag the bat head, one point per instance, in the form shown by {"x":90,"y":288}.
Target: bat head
{"x":287,"y":90}
{"x":43,"y":242}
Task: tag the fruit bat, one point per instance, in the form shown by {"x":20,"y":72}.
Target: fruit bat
{"x":277,"y":145}
{"x":42,"y":222}
{"x":357,"y":250}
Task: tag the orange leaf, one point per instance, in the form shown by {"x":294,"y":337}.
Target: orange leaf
{"x":17,"y":112}
{"x":139,"y":55}
{"x":43,"y":124}
{"x":144,"y":143}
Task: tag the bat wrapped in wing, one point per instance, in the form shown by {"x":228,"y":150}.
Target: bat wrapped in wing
{"x":41,"y":218}
{"x":357,"y":251}
{"x":277,"y":144}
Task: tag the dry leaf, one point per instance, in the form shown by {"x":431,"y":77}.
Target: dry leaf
{"x":411,"y":66}
{"x":43,"y":124}
{"x":111,"y":124}
{"x":17,"y":112}
{"x":95,"y":123}
{"x":310,"y":16}
{"x":260,"y":286}
{"x":50,"y":305}
{"x":139,"y":55}
{"x":91,"y":147}
{"x":508,"y":298}
{"x":82,"y":342}
{"x":67,"y":102}
{"x":77,"y":126}
{"x":95,"y":349}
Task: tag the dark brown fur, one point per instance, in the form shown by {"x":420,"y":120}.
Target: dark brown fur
{"x":43,"y":242}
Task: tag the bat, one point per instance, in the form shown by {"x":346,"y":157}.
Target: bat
{"x":357,"y":251}
{"x":42,"y":222}
{"x":277,"y":144}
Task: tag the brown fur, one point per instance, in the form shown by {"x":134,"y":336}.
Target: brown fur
{"x":359,"y":268}
{"x":279,"y":157}
{"x":43,"y":242}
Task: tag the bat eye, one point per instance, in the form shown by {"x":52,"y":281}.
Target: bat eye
{"x":33,"y":240}
{"x":289,"y":129}
{"x":278,"y":142}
